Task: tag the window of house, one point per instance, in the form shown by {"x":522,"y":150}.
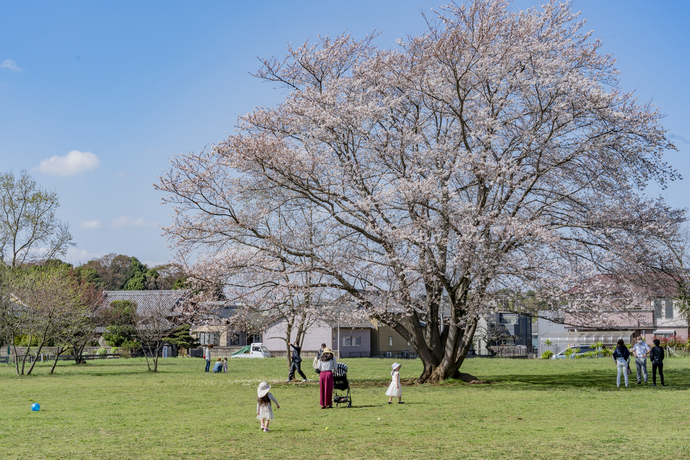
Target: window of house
{"x":233,"y":339}
{"x":657,"y":308}
{"x":351,"y":341}
{"x":509,"y":319}
{"x":255,"y":338}
{"x":208,"y":338}
{"x":390,"y":340}
{"x":669,"y":309}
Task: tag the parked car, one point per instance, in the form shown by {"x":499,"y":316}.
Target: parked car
{"x":255,"y":350}
{"x":579,"y":350}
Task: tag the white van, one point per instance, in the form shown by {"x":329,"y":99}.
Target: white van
{"x":255,"y":350}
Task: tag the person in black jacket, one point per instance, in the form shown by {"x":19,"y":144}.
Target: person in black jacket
{"x":621,"y":355}
{"x":296,"y":362}
{"x":657,"y":357}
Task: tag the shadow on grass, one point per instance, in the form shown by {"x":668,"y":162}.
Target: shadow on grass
{"x":675,"y":379}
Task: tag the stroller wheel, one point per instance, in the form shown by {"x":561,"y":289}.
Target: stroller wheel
{"x":349,"y":403}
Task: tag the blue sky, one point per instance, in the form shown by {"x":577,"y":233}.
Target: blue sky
{"x":133,"y":83}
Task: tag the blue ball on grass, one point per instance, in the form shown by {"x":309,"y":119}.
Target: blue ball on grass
{"x":35,"y":407}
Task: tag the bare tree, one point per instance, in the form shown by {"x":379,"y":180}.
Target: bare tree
{"x":76,"y":324}
{"x":154,"y":320}
{"x":44,"y":298}
{"x":29,"y":228}
{"x":268,"y":284}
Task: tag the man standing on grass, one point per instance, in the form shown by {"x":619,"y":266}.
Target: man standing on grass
{"x":207,"y":356}
{"x":296,"y":363}
{"x":640,"y":351}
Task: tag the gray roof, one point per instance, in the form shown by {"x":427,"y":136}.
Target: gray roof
{"x":147,"y":301}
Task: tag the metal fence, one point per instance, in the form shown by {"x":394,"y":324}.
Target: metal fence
{"x":502,"y":351}
{"x":46,"y":358}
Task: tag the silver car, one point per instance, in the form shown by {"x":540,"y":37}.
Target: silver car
{"x":579,"y":350}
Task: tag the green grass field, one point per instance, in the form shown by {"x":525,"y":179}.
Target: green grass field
{"x":116,"y":409}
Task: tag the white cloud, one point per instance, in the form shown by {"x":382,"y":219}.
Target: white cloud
{"x":72,"y":163}
{"x":129,"y":221}
{"x":80,"y":256}
{"x":151,"y":264}
{"x":90,"y":224}
{"x":10,"y":64}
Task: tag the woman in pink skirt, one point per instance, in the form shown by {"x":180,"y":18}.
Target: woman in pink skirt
{"x":327,"y":366}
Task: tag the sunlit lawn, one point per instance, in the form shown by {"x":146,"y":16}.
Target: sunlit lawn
{"x":115,"y":409}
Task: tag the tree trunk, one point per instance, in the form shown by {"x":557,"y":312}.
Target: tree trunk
{"x":26,"y":353}
{"x":38,"y":352}
{"x":146,"y":357}
{"x":288,"y":332}
{"x":16,"y":357}
{"x":58,"y":352}
{"x":79,"y":353}
{"x":457,"y":345}
{"x":155,"y":359}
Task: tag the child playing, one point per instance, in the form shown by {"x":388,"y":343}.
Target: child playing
{"x":394,"y":388}
{"x":264,"y":412}
{"x":225,"y":364}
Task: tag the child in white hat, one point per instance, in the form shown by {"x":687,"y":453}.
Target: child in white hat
{"x":264,"y":412}
{"x":394,"y":388}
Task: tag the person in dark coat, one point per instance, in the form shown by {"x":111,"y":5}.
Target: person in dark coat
{"x":296,"y":365}
{"x":657,"y":357}
{"x":621,"y":355}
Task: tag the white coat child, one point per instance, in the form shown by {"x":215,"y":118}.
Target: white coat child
{"x":394,"y":389}
{"x":264,"y":412}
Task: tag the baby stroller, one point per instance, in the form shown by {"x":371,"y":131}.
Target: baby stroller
{"x":340,"y":383}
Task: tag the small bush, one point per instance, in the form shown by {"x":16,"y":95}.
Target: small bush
{"x":125,"y":353}
{"x":102,"y":352}
{"x":547,"y":354}
{"x":114,"y":350}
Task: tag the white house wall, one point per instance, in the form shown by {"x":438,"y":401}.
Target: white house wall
{"x":316,"y":335}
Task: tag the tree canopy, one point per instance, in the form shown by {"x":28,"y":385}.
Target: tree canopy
{"x":496,"y":150}
{"x":29,"y":228}
{"x":120,"y":272}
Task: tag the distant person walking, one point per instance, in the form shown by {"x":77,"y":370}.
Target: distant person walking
{"x":296,"y":363}
{"x":621,"y":355}
{"x":657,"y":358}
{"x":394,"y":389}
{"x":318,"y":356}
{"x":327,"y":366}
{"x":207,"y":357}
{"x":640,"y":351}
{"x":264,"y":411}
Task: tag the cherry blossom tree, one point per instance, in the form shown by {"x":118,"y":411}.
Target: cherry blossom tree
{"x":495,"y":151}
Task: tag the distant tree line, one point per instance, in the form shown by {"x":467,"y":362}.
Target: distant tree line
{"x":115,"y":272}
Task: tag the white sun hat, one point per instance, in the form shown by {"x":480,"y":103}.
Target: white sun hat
{"x":263,"y":389}
{"x":395,"y":366}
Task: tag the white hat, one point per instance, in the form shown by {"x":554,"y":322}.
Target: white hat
{"x":395,"y":366}
{"x":263,"y":389}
